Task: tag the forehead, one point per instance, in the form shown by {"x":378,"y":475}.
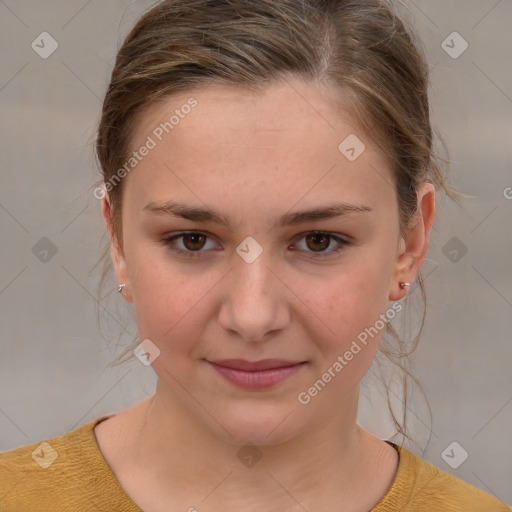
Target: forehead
{"x":265,"y":109}
{"x":285,"y":136}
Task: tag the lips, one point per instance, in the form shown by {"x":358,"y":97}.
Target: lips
{"x":248,"y":366}
{"x":256,"y":375}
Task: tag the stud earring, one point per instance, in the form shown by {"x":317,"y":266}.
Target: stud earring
{"x":403,"y":285}
{"x":120,"y":288}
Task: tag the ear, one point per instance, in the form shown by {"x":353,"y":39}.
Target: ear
{"x":116,"y":251}
{"x":414,"y":247}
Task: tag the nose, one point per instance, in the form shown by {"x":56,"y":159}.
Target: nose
{"x":255,"y":300}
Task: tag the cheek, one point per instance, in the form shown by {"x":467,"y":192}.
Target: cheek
{"x":348,"y":313}
{"x":171,"y":306}
{"x":165,"y":304}
{"x":346,"y":350}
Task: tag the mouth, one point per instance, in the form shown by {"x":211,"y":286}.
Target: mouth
{"x":258,"y":374}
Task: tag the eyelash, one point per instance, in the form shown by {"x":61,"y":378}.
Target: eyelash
{"x":169,"y":242}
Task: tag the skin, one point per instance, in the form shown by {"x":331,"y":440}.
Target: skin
{"x":254,"y":157}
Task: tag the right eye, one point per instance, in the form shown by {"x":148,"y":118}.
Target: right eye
{"x":193,"y":242}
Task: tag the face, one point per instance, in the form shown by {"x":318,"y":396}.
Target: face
{"x":249,"y":278}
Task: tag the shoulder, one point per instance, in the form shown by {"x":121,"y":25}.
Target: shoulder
{"x":420,"y":486}
{"x":65,"y":472}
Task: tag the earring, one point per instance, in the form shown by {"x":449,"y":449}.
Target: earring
{"x":120,"y":288}
{"x":403,"y":285}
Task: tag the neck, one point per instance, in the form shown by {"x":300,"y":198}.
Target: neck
{"x":338,"y":458}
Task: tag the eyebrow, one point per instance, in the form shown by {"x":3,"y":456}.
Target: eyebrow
{"x":200,"y":214}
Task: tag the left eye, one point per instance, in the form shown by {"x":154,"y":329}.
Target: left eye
{"x":323,"y":240}
{"x":194,"y":241}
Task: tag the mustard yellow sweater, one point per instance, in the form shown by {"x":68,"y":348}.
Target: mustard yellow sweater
{"x":68,"y":473}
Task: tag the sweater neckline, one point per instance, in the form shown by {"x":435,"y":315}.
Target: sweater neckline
{"x":110,"y":483}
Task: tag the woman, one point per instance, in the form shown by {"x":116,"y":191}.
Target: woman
{"x":269,"y":189}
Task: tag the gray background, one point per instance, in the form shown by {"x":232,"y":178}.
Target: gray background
{"x":54,"y":375}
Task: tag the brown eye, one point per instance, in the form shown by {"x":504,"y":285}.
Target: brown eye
{"x":189,"y":244}
{"x":318,"y":241}
{"x":193,"y":241}
{"x":320,"y":245}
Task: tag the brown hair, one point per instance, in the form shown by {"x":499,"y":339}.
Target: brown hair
{"x":359,"y":46}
